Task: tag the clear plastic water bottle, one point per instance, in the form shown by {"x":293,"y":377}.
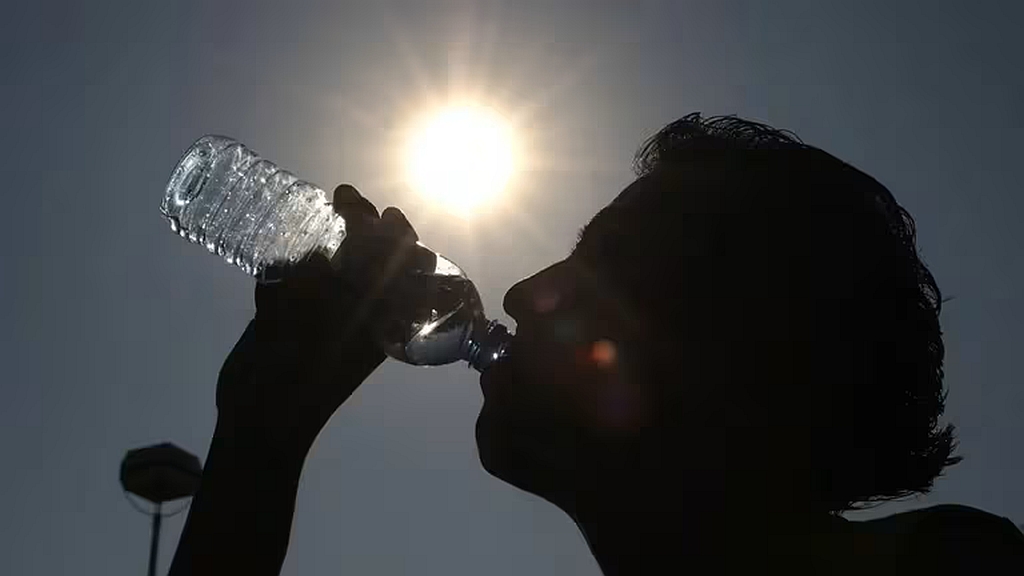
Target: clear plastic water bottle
{"x":244,"y":208}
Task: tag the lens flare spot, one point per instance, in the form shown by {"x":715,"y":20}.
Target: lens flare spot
{"x":545,"y":302}
{"x":603,"y":353}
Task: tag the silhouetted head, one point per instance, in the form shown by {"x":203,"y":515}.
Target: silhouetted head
{"x":751,"y":312}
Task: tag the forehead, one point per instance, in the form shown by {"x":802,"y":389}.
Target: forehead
{"x":715,"y":185}
{"x":711,"y":187}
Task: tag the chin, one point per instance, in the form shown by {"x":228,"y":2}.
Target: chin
{"x":520,"y":467}
{"x":490,"y":447}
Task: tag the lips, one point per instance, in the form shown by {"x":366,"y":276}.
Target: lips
{"x":498,"y":374}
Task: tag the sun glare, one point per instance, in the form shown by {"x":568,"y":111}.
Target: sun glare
{"x":461,"y":158}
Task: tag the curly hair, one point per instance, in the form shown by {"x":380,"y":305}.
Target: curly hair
{"x":882,"y":439}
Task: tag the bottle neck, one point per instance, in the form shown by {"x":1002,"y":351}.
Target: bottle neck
{"x":485,"y":347}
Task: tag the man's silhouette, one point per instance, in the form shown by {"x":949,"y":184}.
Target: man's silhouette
{"x":741,"y":346}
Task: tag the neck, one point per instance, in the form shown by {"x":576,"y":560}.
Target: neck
{"x":657,"y":529}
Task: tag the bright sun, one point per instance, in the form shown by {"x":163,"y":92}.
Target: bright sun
{"x":461,"y":157}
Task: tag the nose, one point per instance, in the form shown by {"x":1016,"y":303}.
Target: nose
{"x":537,"y":295}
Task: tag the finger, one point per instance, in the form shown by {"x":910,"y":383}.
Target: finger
{"x":423,"y":259}
{"x":416,"y":257}
{"x":395,"y":224}
{"x":313,"y":266}
{"x":271,"y":275}
{"x":352,"y":206}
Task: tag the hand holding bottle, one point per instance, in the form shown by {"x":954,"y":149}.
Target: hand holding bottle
{"x":311,"y":343}
{"x":339,"y":287}
{"x":246,"y":209}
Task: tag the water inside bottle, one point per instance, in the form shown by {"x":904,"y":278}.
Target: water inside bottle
{"x":431,"y":317}
{"x":223,"y":196}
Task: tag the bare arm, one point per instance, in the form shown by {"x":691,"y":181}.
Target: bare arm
{"x":241,"y":518}
{"x":301,"y":357}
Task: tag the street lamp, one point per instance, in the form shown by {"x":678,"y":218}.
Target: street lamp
{"x":160,"y":473}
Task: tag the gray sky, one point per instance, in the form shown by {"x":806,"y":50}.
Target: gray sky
{"x":114,"y":328}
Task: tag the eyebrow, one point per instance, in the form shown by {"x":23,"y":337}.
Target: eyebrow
{"x":579,"y":236}
{"x":597,"y":221}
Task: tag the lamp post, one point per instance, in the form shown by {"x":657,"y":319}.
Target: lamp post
{"x":160,"y":473}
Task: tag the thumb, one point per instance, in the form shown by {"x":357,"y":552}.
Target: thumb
{"x":357,"y":211}
{"x":394,"y":223}
{"x":415,"y":256}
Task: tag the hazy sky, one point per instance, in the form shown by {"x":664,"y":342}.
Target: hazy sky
{"x":114,"y":328}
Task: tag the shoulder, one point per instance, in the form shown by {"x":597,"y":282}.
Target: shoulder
{"x":955,"y":522}
{"x":958,"y":539}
